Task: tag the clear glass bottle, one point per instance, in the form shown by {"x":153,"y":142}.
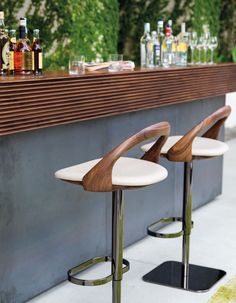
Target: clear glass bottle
{"x":167,"y":55}
{"x":150,"y":50}
{"x":143,"y":45}
{"x":174,"y":43}
{"x":4,"y":46}
{"x":23,"y":52}
{"x":156,"y":50}
{"x":170,"y":25}
{"x":160,"y":38}
{"x":37,"y":54}
{"x":182,"y":47}
{"x":12,"y":48}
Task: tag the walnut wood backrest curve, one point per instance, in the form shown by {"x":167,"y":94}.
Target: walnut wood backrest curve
{"x":99,"y":178}
{"x":182,"y":150}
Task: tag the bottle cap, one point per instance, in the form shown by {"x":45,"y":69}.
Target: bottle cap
{"x":168,"y":31}
{"x":12,"y":31}
{"x":36,"y":31}
{"x":23,"y":22}
{"x":1,"y":15}
{"x":146,"y":27}
{"x":170,"y":23}
{"x":160,"y":23}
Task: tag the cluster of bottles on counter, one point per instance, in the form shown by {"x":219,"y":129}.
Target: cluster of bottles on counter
{"x":159,"y":49}
{"x":19,"y":57}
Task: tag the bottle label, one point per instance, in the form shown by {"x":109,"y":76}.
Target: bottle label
{"x":5,"y":55}
{"x":174,"y":47}
{"x":182,"y":47}
{"x":40,"y":60}
{"x":23,"y":61}
{"x":26,"y":61}
{"x":18,"y":60}
{"x":157,"y":52}
{"x":149,"y":58}
{"x":11,"y":60}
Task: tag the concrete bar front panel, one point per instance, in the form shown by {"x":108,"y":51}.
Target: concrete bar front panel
{"x":48,"y":226}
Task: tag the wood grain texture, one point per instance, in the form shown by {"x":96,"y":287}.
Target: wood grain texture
{"x":28,"y":103}
{"x":182,"y":150}
{"x":99,"y":178}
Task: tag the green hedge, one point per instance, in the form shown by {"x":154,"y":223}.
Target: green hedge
{"x":70,"y":27}
{"x":133,"y":14}
{"x":227,"y":30}
{"x":96,"y":27}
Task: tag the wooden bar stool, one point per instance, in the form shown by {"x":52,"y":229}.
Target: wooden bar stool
{"x":186,"y":149}
{"x":114,"y":173}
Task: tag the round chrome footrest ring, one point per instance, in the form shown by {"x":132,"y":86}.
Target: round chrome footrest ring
{"x":151,"y":229}
{"x":77,"y":269}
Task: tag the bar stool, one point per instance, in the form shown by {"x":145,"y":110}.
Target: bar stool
{"x":186,"y":149}
{"x":115,"y":174}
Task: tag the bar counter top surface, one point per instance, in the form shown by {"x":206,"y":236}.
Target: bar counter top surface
{"x":55,"y":98}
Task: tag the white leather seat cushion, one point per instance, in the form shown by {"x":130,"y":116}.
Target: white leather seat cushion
{"x":203,"y":147}
{"x":126,"y":172}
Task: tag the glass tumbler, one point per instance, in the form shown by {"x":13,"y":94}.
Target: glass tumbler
{"x":76,"y":65}
{"x":115,"y":62}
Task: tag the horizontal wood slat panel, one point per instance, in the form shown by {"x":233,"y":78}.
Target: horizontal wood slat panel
{"x":28,"y":103}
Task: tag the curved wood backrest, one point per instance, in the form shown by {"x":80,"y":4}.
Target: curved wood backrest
{"x":182,"y":150}
{"x":99,"y":178}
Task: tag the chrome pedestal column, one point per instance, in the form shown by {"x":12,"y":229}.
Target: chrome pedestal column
{"x":182,"y":274}
{"x":119,"y":266}
{"x":117,"y":243}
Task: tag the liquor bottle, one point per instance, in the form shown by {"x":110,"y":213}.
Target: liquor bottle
{"x":143,"y":44}
{"x":156,"y":49}
{"x":182,"y":46}
{"x":12,"y":48}
{"x":167,"y":55}
{"x":170,"y":25}
{"x":160,"y":38}
{"x":4,"y":46}
{"x":23,"y":52}
{"x":37,"y":54}
{"x":174,"y":42}
{"x":150,"y":50}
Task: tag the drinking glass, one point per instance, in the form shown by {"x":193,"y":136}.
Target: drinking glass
{"x":205,"y":44}
{"x":115,"y":61}
{"x":212,"y":46}
{"x":76,"y":65}
{"x":193,"y":40}
{"x":199,"y":48}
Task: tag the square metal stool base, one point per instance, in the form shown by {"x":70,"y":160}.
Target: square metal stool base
{"x":170,"y":273}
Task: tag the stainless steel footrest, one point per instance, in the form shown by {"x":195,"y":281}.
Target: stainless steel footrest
{"x":77,"y":269}
{"x":152,"y":229}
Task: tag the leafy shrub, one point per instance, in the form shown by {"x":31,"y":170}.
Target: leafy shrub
{"x":218,"y":14}
{"x":69,"y":27}
{"x":92,"y":27}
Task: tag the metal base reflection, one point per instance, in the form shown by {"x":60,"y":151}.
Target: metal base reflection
{"x":170,"y":273}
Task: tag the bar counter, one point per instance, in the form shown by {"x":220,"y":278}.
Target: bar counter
{"x":28,"y":103}
{"x":56,"y":120}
